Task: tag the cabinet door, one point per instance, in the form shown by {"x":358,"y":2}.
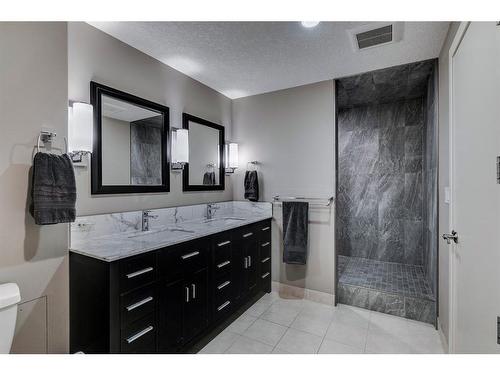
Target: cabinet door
{"x":239,"y":269}
{"x":196,"y":312}
{"x":251,"y":246}
{"x":171,"y":315}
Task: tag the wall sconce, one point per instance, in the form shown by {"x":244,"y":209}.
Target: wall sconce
{"x":180,"y":149}
{"x":231,"y":157}
{"x":80,"y":130}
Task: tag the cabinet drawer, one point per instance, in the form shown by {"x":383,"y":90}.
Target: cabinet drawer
{"x":223,"y":283}
{"x":183,"y":259}
{"x":137,"y":271}
{"x":223,"y":268}
{"x":221,"y":245}
{"x":137,"y":304}
{"x":265,"y":265}
{"x":248,"y":233}
{"x":265,"y":250}
{"x":139,"y":337}
{"x":222,"y":309}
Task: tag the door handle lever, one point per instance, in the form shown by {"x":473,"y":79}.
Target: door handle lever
{"x":448,"y":237}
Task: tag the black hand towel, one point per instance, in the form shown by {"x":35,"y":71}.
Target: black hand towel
{"x":53,"y":189}
{"x":295,"y":232}
{"x":209,"y":178}
{"x":251,"y":186}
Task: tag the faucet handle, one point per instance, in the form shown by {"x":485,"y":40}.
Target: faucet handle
{"x":147,"y":213}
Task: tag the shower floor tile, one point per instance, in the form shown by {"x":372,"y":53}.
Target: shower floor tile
{"x":402,"y":279}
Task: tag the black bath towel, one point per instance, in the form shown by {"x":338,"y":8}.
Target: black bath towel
{"x":251,"y":186}
{"x":209,"y":178}
{"x":53,"y":189}
{"x":295,"y":232}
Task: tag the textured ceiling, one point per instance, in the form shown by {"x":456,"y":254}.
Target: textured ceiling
{"x":245,"y":58}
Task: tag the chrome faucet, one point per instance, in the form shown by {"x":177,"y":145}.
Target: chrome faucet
{"x":211,"y":208}
{"x":146,"y":215}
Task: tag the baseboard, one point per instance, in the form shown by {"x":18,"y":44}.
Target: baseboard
{"x":444,"y":341}
{"x":295,"y":292}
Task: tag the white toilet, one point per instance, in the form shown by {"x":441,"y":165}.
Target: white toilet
{"x":9,"y":298}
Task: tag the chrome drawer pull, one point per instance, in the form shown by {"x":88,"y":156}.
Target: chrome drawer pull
{"x":140,"y":272}
{"x":194,"y":290}
{"x":249,"y":261}
{"x":224,"y":305}
{"x":265,"y":244}
{"x":265,"y":260}
{"x":187,"y":294}
{"x":224,"y":243}
{"x":186,"y":256}
{"x":140,"y":303}
{"x":248,"y":234}
{"x":265,"y":275}
{"x":265,"y":228}
{"x":224,"y":284}
{"x":131,"y":339}
{"x":224,"y":264}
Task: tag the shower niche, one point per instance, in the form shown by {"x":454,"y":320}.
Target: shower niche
{"x":386,"y":207}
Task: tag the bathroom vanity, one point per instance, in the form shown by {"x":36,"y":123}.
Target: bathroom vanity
{"x":164,"y":290}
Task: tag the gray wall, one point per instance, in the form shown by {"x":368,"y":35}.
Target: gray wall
{"x":291,"y":133}
{"x":379,"y":204}
{"x":94,"y":55}
{"x":34,"y":94}
{"x":444,"y":181}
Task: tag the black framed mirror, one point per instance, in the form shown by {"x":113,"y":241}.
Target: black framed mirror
{"x":131,"y":149}
{"x":205,"y":170}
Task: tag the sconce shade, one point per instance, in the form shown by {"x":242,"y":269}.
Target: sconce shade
{"x":180,"y":146}
{"x":232,"y":155}
{"x":80,"y":127}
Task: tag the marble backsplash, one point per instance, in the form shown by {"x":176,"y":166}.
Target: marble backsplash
{"x":96,"y":226}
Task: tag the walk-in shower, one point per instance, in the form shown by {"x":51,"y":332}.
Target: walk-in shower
{"x":386,"y":208}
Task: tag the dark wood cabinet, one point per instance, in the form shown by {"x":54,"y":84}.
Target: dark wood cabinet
{"x":165,"y":301}
{"x":171,"y":318}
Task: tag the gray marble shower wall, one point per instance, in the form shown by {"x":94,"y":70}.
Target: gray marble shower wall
{"x":146,"y":151}
{"x":382,"y":165}
{"x":430,"y":176}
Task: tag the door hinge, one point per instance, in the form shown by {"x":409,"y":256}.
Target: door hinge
{"x":498,"y":169}
{"x":498,"y":330}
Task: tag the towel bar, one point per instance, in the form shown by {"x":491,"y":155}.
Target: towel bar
{"x":328,"y":201}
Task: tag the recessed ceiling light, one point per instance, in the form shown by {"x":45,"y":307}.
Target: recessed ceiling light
{"x":309,"y":24}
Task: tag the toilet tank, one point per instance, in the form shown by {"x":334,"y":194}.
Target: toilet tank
{"x":9,"y":298}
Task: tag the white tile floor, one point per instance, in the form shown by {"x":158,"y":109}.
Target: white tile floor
{"x":289,"y":326}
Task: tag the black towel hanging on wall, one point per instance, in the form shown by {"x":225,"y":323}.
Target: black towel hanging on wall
{"x":251,"y":186}
{"x":53,"y":189}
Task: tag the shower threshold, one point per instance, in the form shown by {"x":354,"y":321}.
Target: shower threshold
{"x":392,"y":288}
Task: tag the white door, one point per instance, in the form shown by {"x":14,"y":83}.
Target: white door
{"x":475,"y":200}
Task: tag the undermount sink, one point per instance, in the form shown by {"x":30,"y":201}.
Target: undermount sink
{"x":225,"y":219}
{"x":154,"y":231}
{"x":181,"y":230}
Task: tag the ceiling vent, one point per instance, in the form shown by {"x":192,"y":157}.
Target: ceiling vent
{"x":375,"y":34}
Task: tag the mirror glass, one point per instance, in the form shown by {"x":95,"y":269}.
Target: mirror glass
{"x":131,"y":144}
{"x":205,"y":168}
{"x":203,"y":155}
{"x":130,"y":152}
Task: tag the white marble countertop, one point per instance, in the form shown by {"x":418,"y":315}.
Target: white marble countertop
{"x":115,"y":246}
